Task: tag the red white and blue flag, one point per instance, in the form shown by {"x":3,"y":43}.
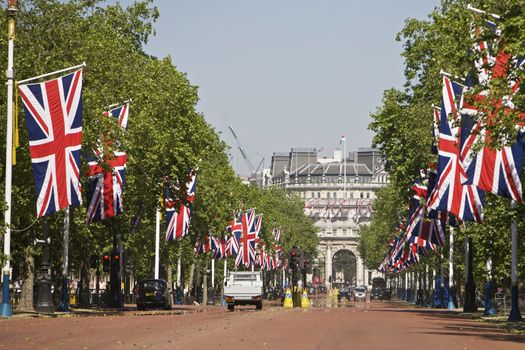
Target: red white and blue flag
{"x":218,"y":248}
{"x":106,"y":188}
{"x":178,"y":217}
{"x":450,"y":194}
{"x":53,"y":113}
{"x":233,"y":240}
{"x":203,"y":246}
{"x":246,"y":253}
{"x":121,"y":113}
{"x":493,"y":170}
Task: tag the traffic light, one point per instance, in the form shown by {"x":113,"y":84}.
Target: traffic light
{"x":116,"y":261}
{"x":93,"y":261}
{"x":105,"y":262}
{"x":306,"y":264}
{"x":294,"y":258}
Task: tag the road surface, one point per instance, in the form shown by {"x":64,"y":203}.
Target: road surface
{"x":362,"y":325}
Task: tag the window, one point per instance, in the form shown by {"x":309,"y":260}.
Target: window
{"x":335,"y":194}
{"x":318,"y":194}
{"x":328,"y":195}
{"x":344,"y":232}
{"x":369,"y":277}
{"x":368,"y":195}
{"x":361,"y":195}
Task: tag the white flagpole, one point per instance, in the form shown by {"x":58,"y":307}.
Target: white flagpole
{"x":225,"y":270}
{"x":119,"y":103}
{"x":515,"y":315}
{"x":52,"y":73}
{"x":451,"y":304}
{"x":157,"y":243}
{"x":12,"y":9}
{"x":344,"y":167}
{"x":179,"y":263}
{"x":212,"y":273}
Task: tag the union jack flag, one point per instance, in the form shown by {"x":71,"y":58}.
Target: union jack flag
{"x":106,"y":188}
{"x":278,"y":256}
{"x":449,"y":194}
{"x":218,"y":248}
{"x":53,"y":113}
{"x":232,"y":241}
{"x":121,"y":113}
{"x":495,"y":171}
{"x":203,"y":246}
{"x":277,"y":234}
{"x":246,"y":254}
{"x":178,"y":221}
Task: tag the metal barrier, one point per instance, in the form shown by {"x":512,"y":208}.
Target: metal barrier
{"x":502,"y":302}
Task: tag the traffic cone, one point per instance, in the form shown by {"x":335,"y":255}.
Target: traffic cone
{"x":305,"y":302}
{"x":288,"y":302}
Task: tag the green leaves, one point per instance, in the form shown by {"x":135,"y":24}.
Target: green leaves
{"x":403,"y":123}
{"x":166,"y":136}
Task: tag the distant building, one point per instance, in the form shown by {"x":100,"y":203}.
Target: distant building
{"x":338,"y":194}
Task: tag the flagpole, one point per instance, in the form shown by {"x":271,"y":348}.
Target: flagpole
{"x":157,"y":243}
{"x":515,"y":315}
{"x":451,"y":305}
{"x":52,"y":73}
{"x":64,"y":294}
{"x":212,"y":273}
{"x":344,"y":167}
{"x":12,"y":9}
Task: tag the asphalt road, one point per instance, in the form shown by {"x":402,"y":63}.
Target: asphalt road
{"x":362,"y":325}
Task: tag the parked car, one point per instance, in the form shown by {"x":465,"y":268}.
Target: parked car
{"x":344,"y":293}
{"x":386,"y":294}
{"x":360,"y":293}
{"x":153,"y":293}
{"x":376,"y":293}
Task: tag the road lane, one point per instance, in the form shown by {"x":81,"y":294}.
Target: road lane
{"x":373,"y":325}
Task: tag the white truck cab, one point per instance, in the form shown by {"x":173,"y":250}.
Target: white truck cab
{"x":243,"y":288}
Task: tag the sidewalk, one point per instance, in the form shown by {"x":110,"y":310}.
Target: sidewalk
{"x":128,"y":309}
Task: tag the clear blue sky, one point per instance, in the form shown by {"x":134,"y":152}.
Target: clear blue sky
{"x":287,"y":73}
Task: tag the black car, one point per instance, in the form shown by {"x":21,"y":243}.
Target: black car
{"x":153,"y":293}
{"x":376,"y":293}
{"x":344,"y":293}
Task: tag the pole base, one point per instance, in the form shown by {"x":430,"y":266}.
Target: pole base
{"x":489,"y":312}
{"x":515,"y":315}
{"x":64,"y":296}
{"x":6,"y":311}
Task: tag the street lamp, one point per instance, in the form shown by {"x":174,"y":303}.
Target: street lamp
{"x":44,"y":302}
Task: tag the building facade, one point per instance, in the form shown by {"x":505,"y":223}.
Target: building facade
{"x":338,"y":193}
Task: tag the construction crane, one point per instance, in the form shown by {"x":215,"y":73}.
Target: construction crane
{"x":247,"y":160}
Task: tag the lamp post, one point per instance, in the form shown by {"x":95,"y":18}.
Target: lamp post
{"x":12,"y":9}
{"x":44,"y":302}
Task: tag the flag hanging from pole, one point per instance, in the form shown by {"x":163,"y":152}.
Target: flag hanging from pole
{"x":53,"y":113}
{"x":106,"y":188}
{"x":121,"y":113}
{"x":179,"y":217}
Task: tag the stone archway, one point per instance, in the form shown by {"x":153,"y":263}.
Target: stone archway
{"x":344,"y":267}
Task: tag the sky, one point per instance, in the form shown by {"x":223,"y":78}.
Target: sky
{"x":286,"y":73}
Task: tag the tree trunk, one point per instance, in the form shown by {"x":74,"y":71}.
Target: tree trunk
{"x":205,"y":286}
{"x":83,"y":297}
{"x":26,"y":300}
{"x":189,"y":285}
{"x":170,"y":281}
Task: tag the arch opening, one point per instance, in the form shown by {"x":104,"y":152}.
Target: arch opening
{"x":344,"y":267}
